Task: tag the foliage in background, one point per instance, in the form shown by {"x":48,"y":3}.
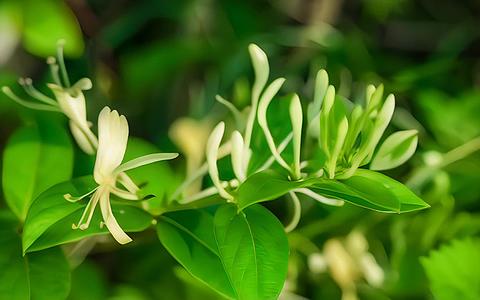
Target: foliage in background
{"x":158,"y":61}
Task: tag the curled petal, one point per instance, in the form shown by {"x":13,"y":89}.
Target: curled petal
{"x":213,"y":144}
{"x":82,"y":139}
{"x":109,"y":219}
{"x":267,"y":97}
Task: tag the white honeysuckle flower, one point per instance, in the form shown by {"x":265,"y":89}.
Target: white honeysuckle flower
{"x":108,"y":170}
{"x":314,"y":108}
{"x":69,"y":100}
{"x":213,"y":144}
{"x":348,"y":260}
{"x":190,"y":136}
{"x":265,"y":100}
{"x":237,"y":156}
{"x":296,"y":117}
{"x":342,"y":131}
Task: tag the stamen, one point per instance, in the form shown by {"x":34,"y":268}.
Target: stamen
{"x":128,"y":183}
{"x":7,"y":91}
{"x":88,"y":212}
{"x":61,"y":62}
{"x":74,"y":199}
{"x":51,"y":61}
{"x":27,"y":85}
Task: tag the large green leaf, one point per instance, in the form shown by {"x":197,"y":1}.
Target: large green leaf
{"x":365,"y":188}
{"x":264,"y":186}
{"x":338,"y":190}
{"x":35,"y":158}
{"x":454,"y":270}
{"x":50,"y":218}
{"x":254,"y":250}
{"x":188,"y":236}
{"x":384,"y":191}
{"x":40,"y":275}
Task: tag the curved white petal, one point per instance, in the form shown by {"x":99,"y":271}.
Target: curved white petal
{"x":126,"y":195}
{"x":72,"y":103}
{"x":213,"y":144}
{"x":144,"y":160}
{"x":117,"y":232}
{"x":81,"y":139}
{"x":128,"y":183}
{"x":265,"y":100}
{"x":112,"y":143}
{"x":237,"y":155}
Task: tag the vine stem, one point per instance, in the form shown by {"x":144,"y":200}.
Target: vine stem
{"x":461,"y":152}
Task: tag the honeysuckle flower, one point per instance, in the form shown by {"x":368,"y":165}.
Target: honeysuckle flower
{"x":348,"y":260}
{"x":190,"y":136}
{"x":108,"y":170}
{"x":69,"y":100}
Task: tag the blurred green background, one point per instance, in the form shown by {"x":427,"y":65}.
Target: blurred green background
{"x":156,"y":61}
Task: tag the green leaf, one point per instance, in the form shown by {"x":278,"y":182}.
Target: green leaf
{"x":40,"y":275}
{"x":337,"y":190}
{"x":264,"y":186}
{"x":254,"y":250}
{"x":88,"y":282}
{"x":384,"y":191}
{"x":395,"y":150}
{"x":50,"y":218}
{"x":35,"y":158}
{"x":454,"y":270}
{"x":46,"y":22}
{"x":188,"y":236}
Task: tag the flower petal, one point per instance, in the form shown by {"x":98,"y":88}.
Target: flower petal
{"x":144,"y":160}
{"x":237,"y":155}
{"x":112,"y":143}
{"x":296,"y":117}
{"x":213,"y":144}
{"x":81,"y":139}
{"x":117,"y":232}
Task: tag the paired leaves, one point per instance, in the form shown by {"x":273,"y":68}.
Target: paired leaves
{"x":189,"y":238}
{"x":240,"y":255}
{"x":50,"y":218}
{"x":35,"y":158}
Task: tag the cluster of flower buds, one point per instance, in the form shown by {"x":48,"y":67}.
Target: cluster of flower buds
{"x":349,"y":139}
